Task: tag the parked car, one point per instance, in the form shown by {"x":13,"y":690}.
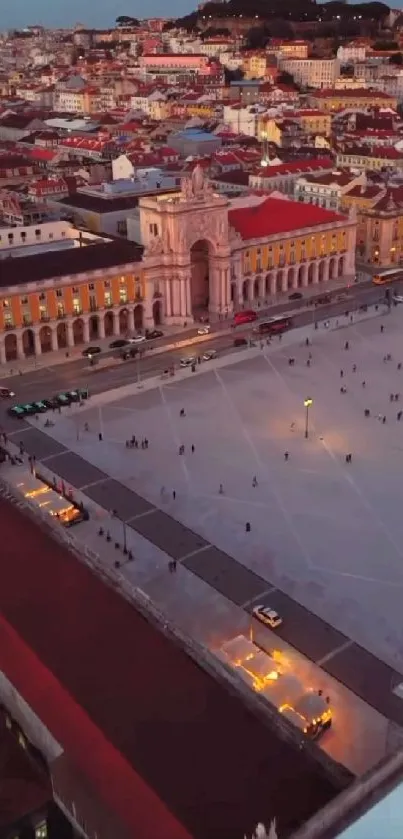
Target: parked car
{"x":138,"y":339}
{"x":6,"y":393}
{"x":209,"y":355}
{"x":204,"y":330}
{"x":296,"y":295}
{"x":119,"y":342}
{"x":187,"y":362}
{"x":21,"y":411}
{"x":240,"y":342}
{"x":151,"y":334}
{"x":89,"y":351}
{"x":267,"y":616}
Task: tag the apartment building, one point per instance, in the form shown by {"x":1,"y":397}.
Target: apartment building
{"x":312,"y":72}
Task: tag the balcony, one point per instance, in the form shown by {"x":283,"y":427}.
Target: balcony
{"x":61,"y":315}
{"x":93,"y":307}
{"x":26,"y":323}
{"x":77,"y":312}
{"x":8,"y":326}
{"x":44,"y":318}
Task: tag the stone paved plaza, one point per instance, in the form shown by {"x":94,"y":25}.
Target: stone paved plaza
{"x":326,"y":532}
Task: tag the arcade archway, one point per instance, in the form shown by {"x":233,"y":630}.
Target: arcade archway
{"x":200,"y":255}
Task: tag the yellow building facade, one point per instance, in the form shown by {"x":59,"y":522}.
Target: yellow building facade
{"x":339,"y":100}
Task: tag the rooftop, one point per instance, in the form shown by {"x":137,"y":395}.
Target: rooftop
{"x":276,"y":215}
{"x":123,"y":699}
{"x":50,"y":264}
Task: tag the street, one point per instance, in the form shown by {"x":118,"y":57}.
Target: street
{"x":46,"y":381}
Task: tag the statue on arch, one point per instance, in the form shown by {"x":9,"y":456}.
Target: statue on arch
{"x":198,"y":181}
{"x":187,"y":188}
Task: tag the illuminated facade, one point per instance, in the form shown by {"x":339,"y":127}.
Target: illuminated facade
{"x":199,"y":253}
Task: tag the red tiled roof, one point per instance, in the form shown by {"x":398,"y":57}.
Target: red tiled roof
{"x":151,"y":731}
{"x":294,"y":166}
{"x":278,"y":216}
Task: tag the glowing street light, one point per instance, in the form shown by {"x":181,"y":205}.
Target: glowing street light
{"x":307,"y":404}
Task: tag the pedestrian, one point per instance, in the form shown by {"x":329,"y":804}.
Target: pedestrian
{"x":399,"y":415}
{"x":341,"y":373}
{"x":308,"y":363}
{"x":388,"y":357}
{"x":254,"y":481}
{"x":382,"y":327}
{"x":292,"y":426}
{"x":307,"y":342}
{"x":347,"y":345}
{"x":21,"y":447}
{"x":354,"y":368}
{"x":173,"y":494}
{"x":174,"y":565}
{"x":399,"y":366}
{"x":383,"y":420}
{"x":221,"y":490}
{"x":397,"y":397}
{"x":193,"y":448}
{"x":182,"y":412}
{"x":363,"y":383}
{"x":351,"y":318}
{"x":286,"y":455}
{"x":392,"y":397}
{"x":367,"y":412}
{"x":247,"y":527}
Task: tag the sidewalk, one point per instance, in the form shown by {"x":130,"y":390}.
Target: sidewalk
{"x":181,"y":333}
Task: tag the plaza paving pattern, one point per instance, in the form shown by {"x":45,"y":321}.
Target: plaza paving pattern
{"x":325,"y":539}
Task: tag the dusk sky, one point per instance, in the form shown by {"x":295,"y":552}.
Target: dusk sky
{"x":101,"y":13}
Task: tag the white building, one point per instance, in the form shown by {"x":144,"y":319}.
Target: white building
{"x":350,"y":53}
{"x":312,"y":72}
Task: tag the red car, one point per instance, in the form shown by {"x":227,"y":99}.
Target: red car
{"x":244,"y":317}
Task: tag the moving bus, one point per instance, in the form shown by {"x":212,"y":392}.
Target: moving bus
{"x":388,"y":276}
{"x":244,"y":317}
{"x":274,"y":326}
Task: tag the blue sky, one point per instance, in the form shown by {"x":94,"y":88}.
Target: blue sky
{"x":96,"y":13}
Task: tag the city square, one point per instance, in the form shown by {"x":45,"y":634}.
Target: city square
{"x":326,"y":532}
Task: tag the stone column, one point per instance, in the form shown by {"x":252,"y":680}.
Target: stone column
{"x":168,"y":298}
{"x":188,"y":297}
{"x":176,"y":301}
{"x":183,"y":298}
{"x":148,"y":312}
{"x":116,"y":330}
{"x":101,"y":325}
{"x":86,"y":330}
{"x":20,"y":345}
{"x":305,"y":276}
{"x":130,"y":321}
{"x":55,"y":345}
{"x":273,"y":280}
{"x":37,"y":343}
{"x":295,"y":277}
{"x":284,"y":282}
{"x":251,"y":290}
{"x":315,"y":272}
{"x":70,"y":334}
{"x":2,"y":353}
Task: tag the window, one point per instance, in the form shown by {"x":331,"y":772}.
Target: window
{"x":60,"y":310}
{"x":6,"y":304}
{"x":91,"y":287}
{"x":107,"y":284}
{"x":11,"y":238}
{"x":8,"y":320}
{"x":38,"y":234}
{"x":123,"y":295}
{"x":59,"y":292}
{"x":42,"y":296}
{"x":75,"y":289}
{"x":24,"y":301}
{"x":23,"y":236}
{"x":41,"y":831}
{"x":108,"y":298}
{"x":50,"y":235}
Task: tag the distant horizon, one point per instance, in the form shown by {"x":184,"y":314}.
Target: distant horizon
{"x":102,"y":15}
{"x":58,"y":14}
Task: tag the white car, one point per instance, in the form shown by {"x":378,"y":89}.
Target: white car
{"x":398,"y":298}
{"x":138,"y":339}
{"x":209,"y":355}
{"x":204,"y":330}
{"x":267,"y":616}
{"x":187,"y":362}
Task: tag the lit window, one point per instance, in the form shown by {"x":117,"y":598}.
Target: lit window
{"x":41,"y":831}
{"x":24,"y":301}
{"x":6,"y":304}
{"x":107,"y":284}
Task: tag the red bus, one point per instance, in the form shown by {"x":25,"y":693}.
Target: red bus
{"x":244,"y":317}
{"x":274,"y":326}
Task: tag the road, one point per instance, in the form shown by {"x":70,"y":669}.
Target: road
{"x":46,"y":381}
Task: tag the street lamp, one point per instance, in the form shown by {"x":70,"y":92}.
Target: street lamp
{"x":307,"y":403}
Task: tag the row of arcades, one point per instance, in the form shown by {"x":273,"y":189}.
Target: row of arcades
{"x":73,"y":331}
